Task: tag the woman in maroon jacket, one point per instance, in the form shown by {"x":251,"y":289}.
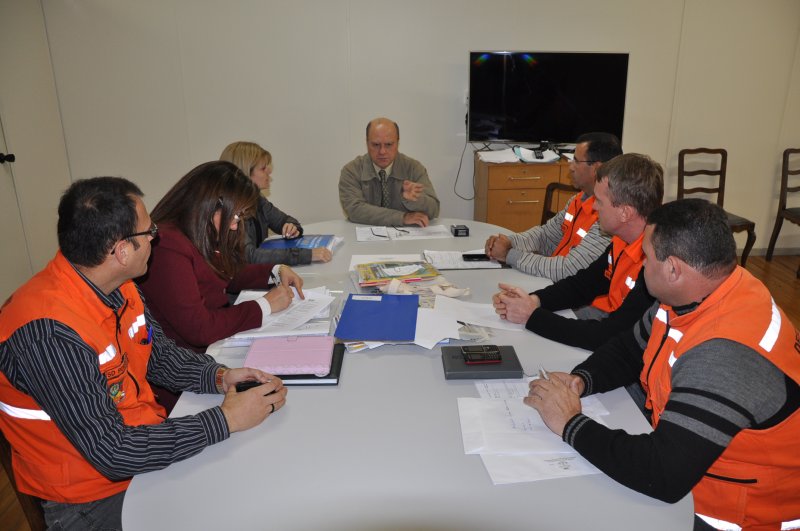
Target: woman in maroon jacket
{"x":198,"y":260}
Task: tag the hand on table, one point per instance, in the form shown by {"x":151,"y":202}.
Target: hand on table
{"x":249,"y":408}
{"x":416,"y":218}
{"x":513,"y":304}
{"x":321,"y":254}
{"x":557,"y":399}
{"x":497,"y":247}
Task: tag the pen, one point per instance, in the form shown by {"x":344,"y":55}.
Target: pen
{"x":543,"y":373}
{"x":149,"y":336}
{"x":274,"y":277}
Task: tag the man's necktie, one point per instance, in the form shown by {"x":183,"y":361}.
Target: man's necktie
{"x":384,"y":189}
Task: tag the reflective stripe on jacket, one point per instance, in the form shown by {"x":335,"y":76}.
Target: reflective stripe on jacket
{"x":578,"y":219}
{"x":755,"y":482}
{"x":624,"y":263}
{"x":46,"y":464}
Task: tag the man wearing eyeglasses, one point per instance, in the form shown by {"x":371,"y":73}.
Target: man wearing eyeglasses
{"x":78,"y":348}
{"x":571,"y":239}
{"x":385,"y":187}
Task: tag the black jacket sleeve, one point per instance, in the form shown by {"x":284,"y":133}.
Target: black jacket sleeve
{"x":579,"y":289}
{"x":591,"y":333}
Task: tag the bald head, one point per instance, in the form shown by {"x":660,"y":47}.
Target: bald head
{"x":383,"y":122}
{"x":383,"y":137}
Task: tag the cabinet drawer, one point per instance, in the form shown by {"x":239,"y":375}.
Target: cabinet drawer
{"x":505,"y":177}
{"x":516,"y":210}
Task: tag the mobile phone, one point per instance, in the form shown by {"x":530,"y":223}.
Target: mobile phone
{"x":475,"y":257}
{"x":481,"y":354}
{"x":244,"y":386}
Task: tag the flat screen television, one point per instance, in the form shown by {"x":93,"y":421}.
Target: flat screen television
{"x":529,"y":97}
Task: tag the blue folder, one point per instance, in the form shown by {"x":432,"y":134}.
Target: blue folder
{"x":378,"y":318}
{"x":303,"y":242}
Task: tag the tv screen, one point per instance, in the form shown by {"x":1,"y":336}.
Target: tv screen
{"x":528,"y":97}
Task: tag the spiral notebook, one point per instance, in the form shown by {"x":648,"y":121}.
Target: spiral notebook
{"x":291,"y":355}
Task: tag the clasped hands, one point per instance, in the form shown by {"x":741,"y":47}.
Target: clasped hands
{"x":513,"y":304}
{"x":497,"y":247}
{"x":249,"y":408}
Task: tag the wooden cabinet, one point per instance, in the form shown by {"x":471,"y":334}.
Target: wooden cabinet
{"x":512,"y":194}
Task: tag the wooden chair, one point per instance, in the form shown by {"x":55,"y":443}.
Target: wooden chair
{"x":31,"y":505}
{"x":791,"y":214}
{"x":550,"y":209}
{"x":736,"y":223}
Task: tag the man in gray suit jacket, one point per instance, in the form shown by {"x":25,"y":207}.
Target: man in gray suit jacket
{"x":384,"y":187}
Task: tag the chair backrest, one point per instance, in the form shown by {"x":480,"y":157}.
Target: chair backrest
{"x":785,"y":173}
{"x":31,"y":506}
{"x":550,"y":209}
{"x":719,"y":172}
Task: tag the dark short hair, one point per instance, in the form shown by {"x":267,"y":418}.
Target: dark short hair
{"x":697,"y":232}
{"x":635,"y":180}
{"x":93,"y":215}
{"x":396,"y":128}
{"x":602,"y":147}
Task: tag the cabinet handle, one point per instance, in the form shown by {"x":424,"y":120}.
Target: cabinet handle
{"x":533,"y":178}
{"x":510,"y":202}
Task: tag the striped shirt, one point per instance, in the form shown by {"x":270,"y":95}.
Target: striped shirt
{"x":50,"y":362}
{"x":531,"y":250}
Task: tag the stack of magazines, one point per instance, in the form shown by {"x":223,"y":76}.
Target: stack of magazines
{"x":378,"y":273}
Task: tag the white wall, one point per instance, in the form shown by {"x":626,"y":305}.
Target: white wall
{"x":148,"y":89}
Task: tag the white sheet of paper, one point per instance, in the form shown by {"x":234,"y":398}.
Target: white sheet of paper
{"x":372,"y":234}
{"x":500,"y":155}
{"x":591,"y":406}
{"x":474,"y":313}
{"x":453,"y":260}
{"x":505,"y":427}
{"x":433,"y":327}
{"x":284,"y":322}
{"x":369,"y":258}
{"x":548,"y":155}
{"x":430,"y":232}
{"x":310,"y":328}
{"x":504,"y":469}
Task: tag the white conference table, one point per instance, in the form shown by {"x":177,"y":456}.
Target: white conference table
{"x":383,"y":449}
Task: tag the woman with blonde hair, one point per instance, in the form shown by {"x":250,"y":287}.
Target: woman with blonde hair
{"x":256,"y":162}
{"x":198,"y":259}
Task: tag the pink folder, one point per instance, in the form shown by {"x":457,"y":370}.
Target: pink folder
{"x":291,"y":355}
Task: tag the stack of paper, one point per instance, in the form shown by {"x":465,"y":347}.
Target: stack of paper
{"x":511,"y":438}
{"x":374,"y":234}
{"x":303,"y":317}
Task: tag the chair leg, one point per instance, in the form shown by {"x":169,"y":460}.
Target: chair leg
{"x":751,"y":240}
{"x":774,"y":238}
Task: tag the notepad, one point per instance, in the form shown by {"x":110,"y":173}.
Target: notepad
{"x":291,"y":355}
